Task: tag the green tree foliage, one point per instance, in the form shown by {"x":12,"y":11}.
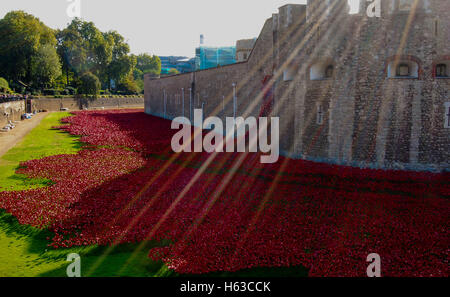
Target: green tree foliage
{"x":121,"y":64}
{"x":148,"y":64}
{"x":22,"y":39}
{"x":89,"y":84}
{"x":33,"y":55}
{"x":4,"y":86}
{"x":83,"y":48}
{"x":128,"y":85}
{"x":46,"y":66}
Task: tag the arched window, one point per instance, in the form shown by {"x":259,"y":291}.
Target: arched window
{"x":289,"y":73}
{"x":441,"y":70}
{"x":329,"y":71}
{"x":322,"y":70}
{"x":403,"y":70}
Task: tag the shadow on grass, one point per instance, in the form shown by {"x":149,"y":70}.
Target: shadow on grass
{"x":117,"y":263}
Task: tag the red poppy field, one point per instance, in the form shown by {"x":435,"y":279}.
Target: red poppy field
{"x":227,"y":212}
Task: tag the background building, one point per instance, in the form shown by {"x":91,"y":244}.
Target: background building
{"x":182,"y":64}
{"x":243,"y":49}
{"x":207,"y":57}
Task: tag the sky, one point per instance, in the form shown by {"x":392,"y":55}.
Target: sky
{"x":162,"y":27}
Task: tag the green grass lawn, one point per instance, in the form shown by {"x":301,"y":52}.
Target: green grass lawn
{"x":24,"y":250}
{"x":43,"y":141}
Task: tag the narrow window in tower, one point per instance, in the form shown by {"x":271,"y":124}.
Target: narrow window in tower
{"x":403,"y":70}
{"x":319,"y":119}
{"x":329,"y":71}
{"x":441,"y":70}
{"x":328,"y":7}
{"x":447,"y":115}
{"x":436,"y":28}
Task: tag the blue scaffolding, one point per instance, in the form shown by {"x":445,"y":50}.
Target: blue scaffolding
{"x":209,"y":57}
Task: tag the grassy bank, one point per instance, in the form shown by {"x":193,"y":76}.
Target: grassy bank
{"x":42,"y":141}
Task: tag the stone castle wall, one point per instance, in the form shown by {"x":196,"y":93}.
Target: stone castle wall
{"x":11,"y":111}
{"x":14,"y":110}
{"x":79,"y":104}
{"x":369,"y":119}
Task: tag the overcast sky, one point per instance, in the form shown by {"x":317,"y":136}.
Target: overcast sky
{"x":162,"y":27}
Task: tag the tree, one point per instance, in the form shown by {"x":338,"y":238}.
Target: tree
{"x":21,"y":36}
{"x":121,"y":64}
{"x":148,"y":64}
{"x":128,"y":85}
{"x":46,"y":66}
{"x":89,"y":84}
{"x":83,"y":48}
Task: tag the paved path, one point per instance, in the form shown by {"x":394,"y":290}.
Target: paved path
{"x":9,"y":139}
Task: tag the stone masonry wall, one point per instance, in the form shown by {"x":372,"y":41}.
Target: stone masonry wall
{"x":369,"y":118}
{"x":11,"y":111}
{"x":78,"y":104}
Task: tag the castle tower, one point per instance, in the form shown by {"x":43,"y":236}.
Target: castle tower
{"x":398,"y":55}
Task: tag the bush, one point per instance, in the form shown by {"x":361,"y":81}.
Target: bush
{"x":4,"y":86}
{"x":36,"y":93}
{"x":89,"y":84}
{"x":52,"y":92}
{"x":71,"y":90}
{"x":128,"y":86}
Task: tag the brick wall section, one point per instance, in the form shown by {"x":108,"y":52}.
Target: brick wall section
{"x":369,"y":119}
